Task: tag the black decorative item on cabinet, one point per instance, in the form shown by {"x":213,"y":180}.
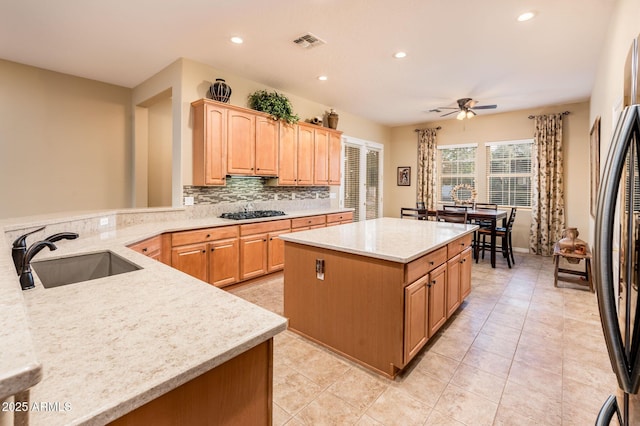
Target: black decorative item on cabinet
{"x":220,"y":91}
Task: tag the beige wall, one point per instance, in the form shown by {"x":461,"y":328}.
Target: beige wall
{"x":160,"y":148}
{"x":65,"y":143}
{"x":607,"y":90}
{"x":499,"y":127}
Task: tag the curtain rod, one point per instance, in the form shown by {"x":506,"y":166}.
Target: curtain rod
{"x":418,"y":130}
{"x":563,"y":113}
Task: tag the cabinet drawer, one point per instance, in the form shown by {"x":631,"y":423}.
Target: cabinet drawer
{"x":458,"y":245}
{"x":201,"y":235}
{"x":149,"y":246}
{"x":339,"y":217}
{"x":262,"y":227}
{"x":424,"y":264}
{"x":308,"y":221}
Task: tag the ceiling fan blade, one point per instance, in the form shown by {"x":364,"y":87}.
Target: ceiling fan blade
{"x":486,"y":107}
{"x":473,"y":112}
{"x":449,"y":113}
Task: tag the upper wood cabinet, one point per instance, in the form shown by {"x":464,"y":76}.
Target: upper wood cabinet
{"x":304,"y":155}
{"x":209,"y":143}
{"x":266,"y":150}
{"x":241,"y":139}
{"x":335,"y":155}
{"x":321,"y":157}
{"x":229,"y":140}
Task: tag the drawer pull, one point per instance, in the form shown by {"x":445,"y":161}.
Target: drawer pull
{"x":144,"y":250}
{"x":213,"y":248}
{"x":208,"y":236}
{"x":431,"y":262}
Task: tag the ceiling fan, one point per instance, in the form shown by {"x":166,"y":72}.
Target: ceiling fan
{"x":466,"y":108}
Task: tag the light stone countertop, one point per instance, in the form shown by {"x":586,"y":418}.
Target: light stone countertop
{"x":107,"y":346}
{"x":396,"y":240}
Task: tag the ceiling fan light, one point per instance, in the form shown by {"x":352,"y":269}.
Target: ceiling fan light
{"x":461,"y":115}
{"x":470,"y":114}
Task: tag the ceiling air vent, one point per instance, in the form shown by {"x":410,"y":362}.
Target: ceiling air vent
{"x":308,"y":41}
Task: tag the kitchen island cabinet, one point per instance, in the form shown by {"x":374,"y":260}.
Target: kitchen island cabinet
{"x":374,"y":291}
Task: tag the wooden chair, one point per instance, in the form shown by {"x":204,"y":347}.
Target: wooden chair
{"x":483,"y":223}
{"x":504,"y":234}
{"x":454,"y":214}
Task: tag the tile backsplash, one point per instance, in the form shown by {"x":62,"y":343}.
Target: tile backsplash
{"x":251,"y":189}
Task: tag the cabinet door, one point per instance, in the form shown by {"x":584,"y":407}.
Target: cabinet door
{"x":266,"y":146}
{"x":191,"y":259}
{"x":224,"y":262}
{"x":335,"y":151}
{"x":437,"y":298}
{"x":453,"y":284}
{"x":416,"y":300}
{"x":241,"y":137}
{"x":465,"y":273}
{"x":276,"y":251}
{"x":209,"y":144}
{"x":288,"y":155}
{"x":321,"y":157}
{"x":305,"y":156}
{"x":253,"y":256}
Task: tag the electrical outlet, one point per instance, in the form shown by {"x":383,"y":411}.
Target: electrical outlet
{"x":188,"y":201}
{"x":293,"y":195}
{"x":275,"y":197}
{"x":104,"y":221}
{"x":332,"y":195}
{"x":317,"y":195}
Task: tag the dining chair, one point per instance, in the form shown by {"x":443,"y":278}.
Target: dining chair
{"x":483,"y":223}
{"x":454,"y":214}
{"x":504,"y":233}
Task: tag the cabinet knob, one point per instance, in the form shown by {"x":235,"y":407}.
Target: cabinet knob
{"x":265,"y":240}
{"x":462,"y":244}
{"x":144,"y":250}
{"x":208,"y":236}
{"x":213,"y":248}
{"x":431,"y":263}
{"x":204,"y":251}
{"x":433,"y":282}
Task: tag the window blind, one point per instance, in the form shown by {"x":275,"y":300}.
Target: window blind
{"x":509,"y":173}
{"x":456,"y":166}
{"x":352,"y":179}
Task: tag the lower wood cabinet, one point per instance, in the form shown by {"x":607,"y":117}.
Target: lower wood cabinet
{"x":453,"y":284}
{"x":211,"y":255}
{"x":416,"y":296}
{"x":275,"y":251}
{"x":253,"y":254}
{"x":224,"y":262}
{"x":437,"y":298}
{"x":465,"y":273}
{"x":156,"y":247}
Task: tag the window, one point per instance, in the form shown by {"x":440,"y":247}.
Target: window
{"x":456,"y":166}
{"x":509,"y":173}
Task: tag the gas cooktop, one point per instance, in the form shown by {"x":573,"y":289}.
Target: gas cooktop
{"x":253,"y":214}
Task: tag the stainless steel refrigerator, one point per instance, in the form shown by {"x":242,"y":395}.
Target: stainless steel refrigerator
{"x":617,"y":254}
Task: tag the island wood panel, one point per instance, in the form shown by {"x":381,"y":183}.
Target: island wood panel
{"x":357,"y":310}
{"x":238,"y":392}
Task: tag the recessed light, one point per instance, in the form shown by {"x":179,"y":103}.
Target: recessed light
{"x":526,"y":16}
{"x":400,"y":55}
{"x":237,"y":40}
{"x":323,"y":78}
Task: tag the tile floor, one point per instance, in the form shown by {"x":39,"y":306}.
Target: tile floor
{"x":517,"y":352}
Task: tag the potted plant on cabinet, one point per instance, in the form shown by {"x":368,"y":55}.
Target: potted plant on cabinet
{"x":273,"y":103}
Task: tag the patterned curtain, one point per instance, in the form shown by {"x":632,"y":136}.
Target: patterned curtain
{"x":547,"y":209}
{"x":427,"y":184}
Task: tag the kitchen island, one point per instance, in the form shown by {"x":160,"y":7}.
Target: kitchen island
{"x":376,"y":291}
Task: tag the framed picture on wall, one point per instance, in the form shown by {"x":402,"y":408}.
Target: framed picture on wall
{"x":595,"y":163}
{"x":404,"y":176}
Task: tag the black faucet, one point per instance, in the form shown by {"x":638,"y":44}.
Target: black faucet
{"x":26,"y":277}
{"x":20,"y":245}
{"x":19,"y":249}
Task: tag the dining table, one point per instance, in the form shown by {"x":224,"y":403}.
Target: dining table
{"x":473,"y":215}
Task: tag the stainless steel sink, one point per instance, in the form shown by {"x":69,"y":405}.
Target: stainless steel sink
{"x":84,"y":267}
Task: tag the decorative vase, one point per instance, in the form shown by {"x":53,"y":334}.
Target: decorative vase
{"x":570,"y":243}
{"x":220,"y":91}
{"x":332,"y":119}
